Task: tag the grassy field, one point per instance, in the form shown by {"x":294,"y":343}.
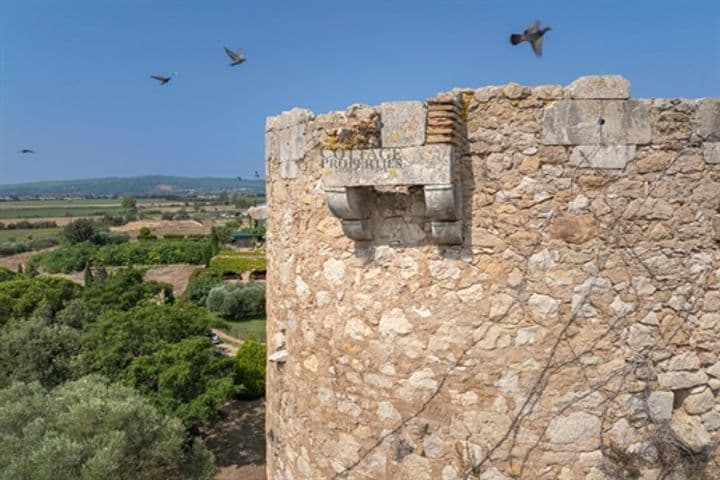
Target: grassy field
{"x":17,"y":235}
{"x":253,"y":328}
{"x":36,"y":209}
{"x":41,"y":211}
{"x":230,"y":260}
{"x":82,"y":202}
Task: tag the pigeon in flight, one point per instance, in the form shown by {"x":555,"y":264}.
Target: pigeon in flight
{"x":236,"y":57}
{"x":27,"y":150}
{"x":533,"y":35}
{"x":257,"y":175}
{"x":162,"y":79}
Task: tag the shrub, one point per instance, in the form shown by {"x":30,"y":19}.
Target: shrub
{"x":90,"y":429}
{"x":250,"y":358}
{"x":190,"y":379}
{"x":110,"y":238}
{"x":76,"y":314}
{"x":70,"y":258}
{"x":80,"y":230}
{"x":36,"y":349}
{"x":25,"y":225}
{"x":200,"y":284}
{"x":12,"y":248}
{"x":111,"y":343}
{"x":173,"y":236}
{"x":122,"y":290}
{"x":20,"y":296}
{"x":167,"y":215}
{"x":236,"y":301}
{"x":146,"y":234}
{"x":113,"y":220}
{"x":73,"y":258}
{"x":6,"y":274}
{"x":153,"y":253}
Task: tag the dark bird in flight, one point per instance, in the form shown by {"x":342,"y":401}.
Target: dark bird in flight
{"x":257,"y":175}
{"x":533,"y":35}
{"x":27,"y":150}
{"x":162,"y":79}
{"x":239,"y":179}
{"x":236,"y":57}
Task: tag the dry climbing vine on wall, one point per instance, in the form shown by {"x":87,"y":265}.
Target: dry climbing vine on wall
{"x":609,"y":388}
{"x":614,"y":327}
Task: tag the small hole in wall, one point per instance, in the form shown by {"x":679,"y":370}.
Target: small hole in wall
{"x":601,"y":121}
{"x":680,"y":396}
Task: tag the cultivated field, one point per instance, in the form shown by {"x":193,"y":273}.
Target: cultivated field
{"x":166,"y":227}
{"x":24,"y":234}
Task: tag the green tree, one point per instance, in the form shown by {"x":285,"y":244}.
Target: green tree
{"x":168,"y":295}
{"x":182,"y":214}
{"x":80,"y":230}
{"x":223,"y":198}
{"x":145,"y":234}
{"x":117,"y":337}
{"x":66,"y":259}
{"x":37,"y":349}
{"x":190,"y":379}
{"x":201,"y":282}
{"x":251,"y":358}
{"x":102,"y":273}
{"x":21,"y":296}
{"x":236,"y":301}
{"x":76,"y":314}
{"x":122,"y":290}
{"x":90,"y":429}
{"x":87,"y":275}
{"x":129,"y":206}
{"x":6,"y":274}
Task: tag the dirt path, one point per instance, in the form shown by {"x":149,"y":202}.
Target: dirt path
{"x":11,"y":262}
{"x":229,"y":343}
{"x":176,"y":275}
{"x":238,"y":441}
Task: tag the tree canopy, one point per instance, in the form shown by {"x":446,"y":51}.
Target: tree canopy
{"x":80,"y":230}
{"x":90,"y":429}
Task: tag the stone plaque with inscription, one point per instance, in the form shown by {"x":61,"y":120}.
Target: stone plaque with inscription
{"x":428,"y":165}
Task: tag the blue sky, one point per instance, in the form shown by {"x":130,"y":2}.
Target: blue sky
{"x":74,"y":74}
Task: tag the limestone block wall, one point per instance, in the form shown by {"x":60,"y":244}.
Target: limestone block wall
{"x":567,"y":326}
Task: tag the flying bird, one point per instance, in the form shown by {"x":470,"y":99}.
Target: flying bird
{"x":533,"y":35}
{"x":257,"y":175}
{"x":27,"y":150}
{"x":236,"y":57}
{"x":162,"y":79}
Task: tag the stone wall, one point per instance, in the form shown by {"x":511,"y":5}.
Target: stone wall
{"x":560,"y":319}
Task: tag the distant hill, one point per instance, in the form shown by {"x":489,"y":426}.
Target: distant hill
{"x":151,"y":185}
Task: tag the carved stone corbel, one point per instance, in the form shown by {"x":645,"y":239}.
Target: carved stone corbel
{"x":351,"y":205}
{"x":443,"y":204}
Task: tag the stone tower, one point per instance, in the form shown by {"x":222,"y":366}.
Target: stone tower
{"x":499,"y":283}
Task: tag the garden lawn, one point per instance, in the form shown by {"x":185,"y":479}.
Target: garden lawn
{"x":253,"y":328}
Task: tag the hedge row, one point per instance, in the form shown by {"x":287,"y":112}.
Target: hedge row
{"x":73,"y":258}
{"x":25,"y":225}
{"x":12,"y":248}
